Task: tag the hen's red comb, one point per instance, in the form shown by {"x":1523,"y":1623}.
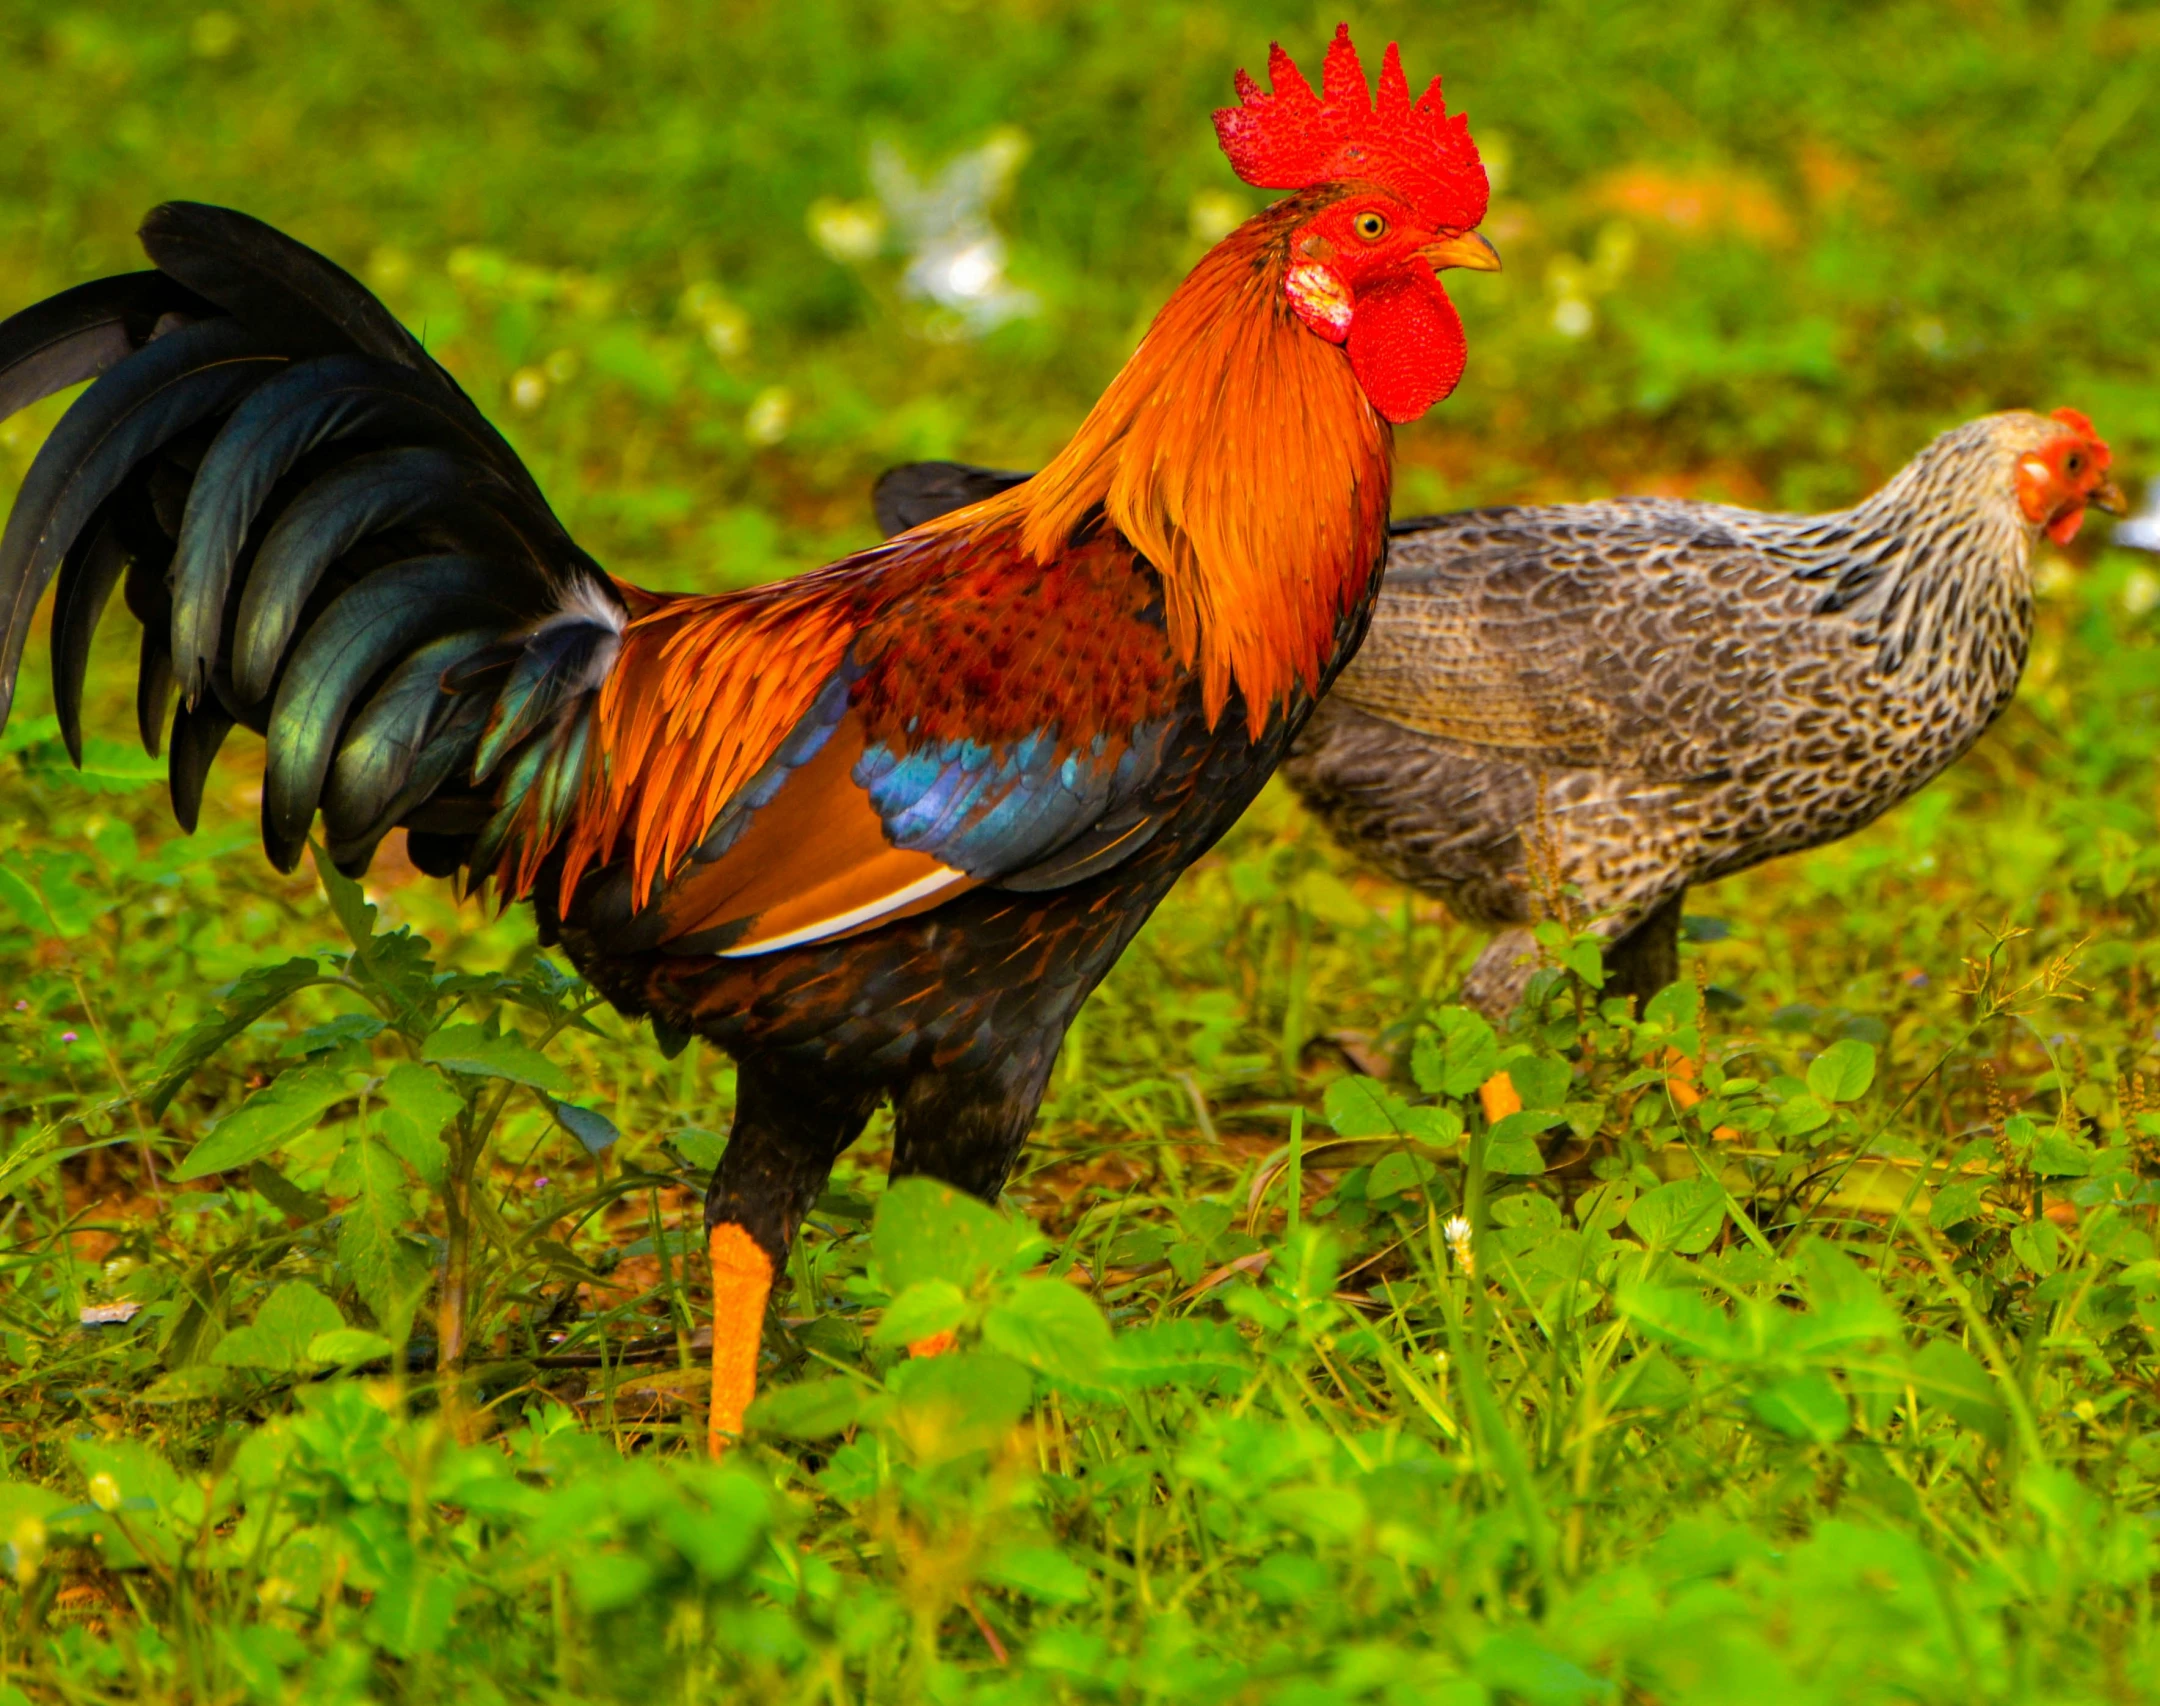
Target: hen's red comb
{"x":2081,"y":423}
{"x":1292,"y":138}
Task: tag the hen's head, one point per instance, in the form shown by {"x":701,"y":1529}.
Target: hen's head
{"x":2060,"y":472}
{"x":1401,"y":190}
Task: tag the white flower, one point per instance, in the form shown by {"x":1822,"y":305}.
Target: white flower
{"x":1456,"y":1231}
{"x":528,"y":389}
{"x":956,"y":258}
{"x":771,"y":413}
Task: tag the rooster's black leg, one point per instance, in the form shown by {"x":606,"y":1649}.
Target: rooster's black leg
{"x":789,"y":1130}
{"x":966,"y":1128}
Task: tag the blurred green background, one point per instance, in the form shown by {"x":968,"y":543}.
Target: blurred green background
{"x":1755,"y":250}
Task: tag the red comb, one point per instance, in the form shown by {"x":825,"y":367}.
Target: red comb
{"x":2081,"y":423}
{"x":1292,"y":138}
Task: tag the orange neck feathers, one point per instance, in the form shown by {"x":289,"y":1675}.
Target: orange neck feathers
{"x":1238,"y":454}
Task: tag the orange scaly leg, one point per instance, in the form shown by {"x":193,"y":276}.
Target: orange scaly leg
{"x":742,"y":1276}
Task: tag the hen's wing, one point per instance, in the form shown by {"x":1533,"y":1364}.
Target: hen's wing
{"x":1589,"y":674}
{"x":1636,"y":635}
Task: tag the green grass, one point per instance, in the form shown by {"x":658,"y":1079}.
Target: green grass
{"x":1858,"y":1402}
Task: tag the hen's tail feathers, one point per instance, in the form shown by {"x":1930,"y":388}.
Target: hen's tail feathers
{"x":323,"y":540}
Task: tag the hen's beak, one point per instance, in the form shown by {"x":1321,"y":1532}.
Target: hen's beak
{"x":1464,"y":249}
{"x":2108,"y":496}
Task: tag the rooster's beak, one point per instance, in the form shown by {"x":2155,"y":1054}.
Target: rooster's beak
{"x":2108,"y":496}
{"x":1464,"y":249}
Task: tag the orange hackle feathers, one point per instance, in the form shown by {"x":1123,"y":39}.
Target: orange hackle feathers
{"x":1293,"y":139}
{"x":1238,"y":454}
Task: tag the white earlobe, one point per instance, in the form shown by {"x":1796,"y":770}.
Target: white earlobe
{"x":1320,"y":299}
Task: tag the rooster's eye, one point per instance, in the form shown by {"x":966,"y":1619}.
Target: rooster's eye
{"x":2074,"y":464}
{"x":1369,"y":226}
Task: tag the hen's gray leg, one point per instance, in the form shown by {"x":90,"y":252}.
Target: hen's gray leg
{"x":1647,"y":958}
{"x":1495,"y":984}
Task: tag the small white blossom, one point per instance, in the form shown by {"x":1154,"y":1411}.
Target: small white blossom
{"x":1457,"y":1233}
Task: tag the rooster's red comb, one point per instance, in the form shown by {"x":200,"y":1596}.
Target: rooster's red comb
{"x":1292,"y":138}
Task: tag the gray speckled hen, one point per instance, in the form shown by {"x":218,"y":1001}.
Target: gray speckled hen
{"x":1643,"y":694}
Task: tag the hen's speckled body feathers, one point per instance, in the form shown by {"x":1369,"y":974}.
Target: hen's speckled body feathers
{"x":1656,"y":693}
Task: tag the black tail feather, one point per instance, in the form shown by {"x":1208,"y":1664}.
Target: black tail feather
{"x":316,"y":529}
{"x":916,"y":492}
{"x":197,"y":733}
{"x":80,"y":333}
{"x":86,"y":583}
{"x":303,"y":302}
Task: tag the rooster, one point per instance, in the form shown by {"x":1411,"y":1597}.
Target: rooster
{"x":1632,"y":696}
{"x":877,"y":831}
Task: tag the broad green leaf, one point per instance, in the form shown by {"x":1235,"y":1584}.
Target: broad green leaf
{"x":291,"y":1319}
{"x":1511,"y":1144}
{"x":1805,"y":1406}
{"x":1185,"y":1351}
{"x":721,"y":1533}
{"x":927,"y":1307}
{"x":1364,"y":1107}
{"x":346,"y":899}
{"x":607,"y":1578}
{"x":47,"y":906}
{"x":1398,"y":1173}
{"x":481,"y":1053}
{"x":1049,"y":1326}
{"x":1683,"y":1215}
{"x":950,"y":1406}
{"x":1457,"y":1055}
{"x":371,"y":1243}
{"x":289,"y":1198}
{"x":810,"y":1409}
{"x":253,"y":995}
{"x":411,"y":1612}
{"x":1959,"y":1201}
{"x":925,"y":1230}
{"x":292,"y":1103}
{"x":348,"y":1347}
{"x":1683,"y":1318}
{"x":417,"y":1103}
{"x":1799,"y":1115}
{"x":1944,"y":1372}
{"x":2038,"y":1245}
{"x":1843,"y":1071}
{"x":1675,"y":1007}
{"x":1845,"y":1306}
{"x":1541,"y":1080}
{"x":1653,"y":1381}
{"x":2058,"y":1157}
{"x":1043,"y":1574}
{"x":594,"y":1130}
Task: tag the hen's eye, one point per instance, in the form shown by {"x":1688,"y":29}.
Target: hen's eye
{"x":1369,"y":226}
{"x":2074,"y":463}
